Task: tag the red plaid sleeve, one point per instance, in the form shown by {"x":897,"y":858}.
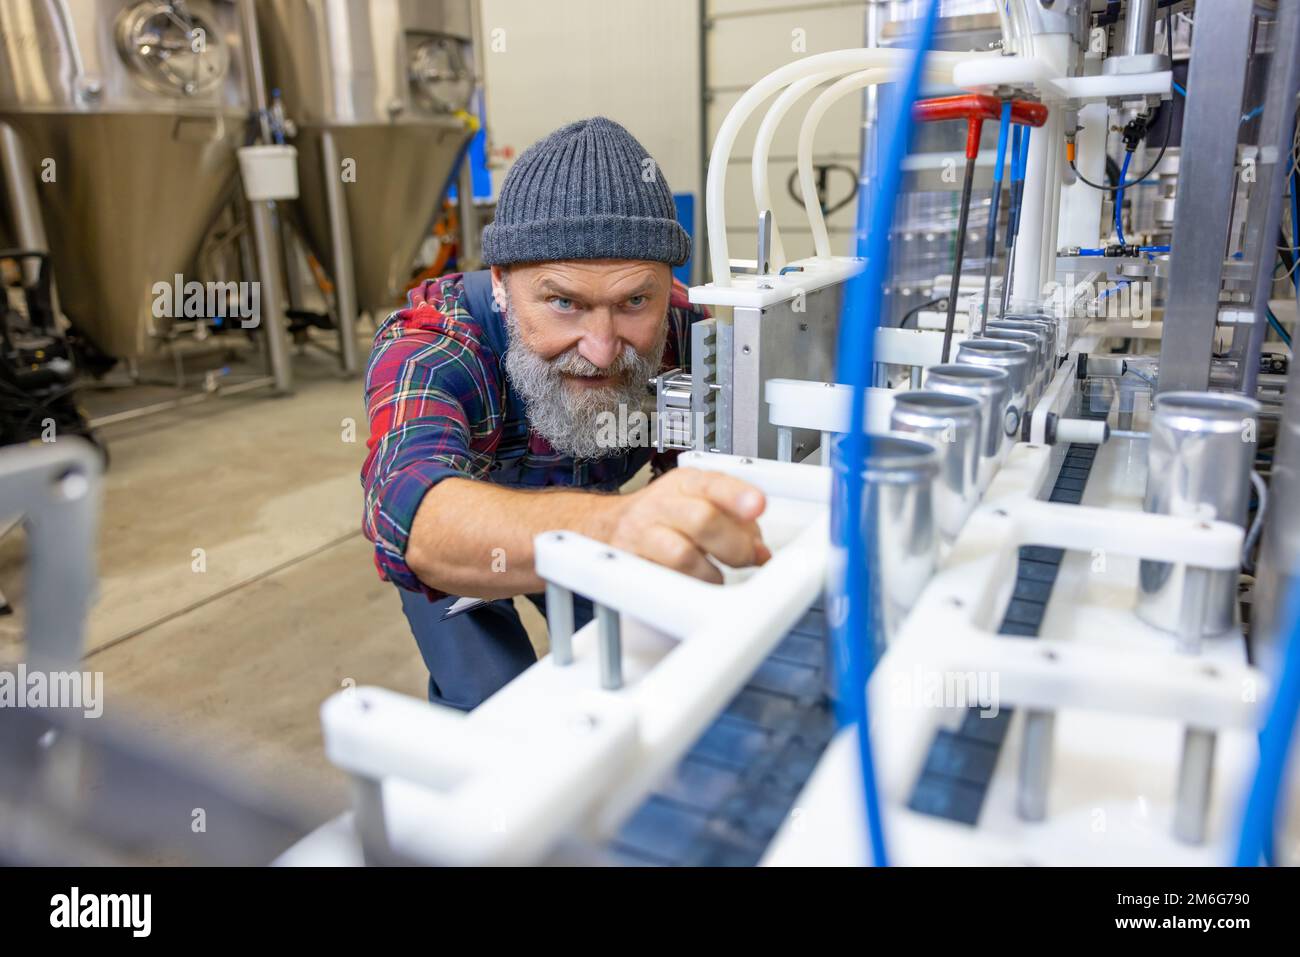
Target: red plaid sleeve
{"x":434,"y":403}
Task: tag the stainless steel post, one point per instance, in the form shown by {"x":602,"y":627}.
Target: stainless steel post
{"x":559,"y":623}
{"x":1006,"y":277}
{"x":784,"y":443}
{"x":270,"y":263}
{"x":345,"y":284}
{"x":271,"y":300}
{"x":470,"y":234}
{"x":1035,"y":765}
{"x":1206,"y":185}
{"x":1139,"y":27}
{"x":1264,"y":213}
{"x":610,"y":638}
{"x":1277,"y":572}
{"x":1195,"y":777}
{"x":24,"y":209}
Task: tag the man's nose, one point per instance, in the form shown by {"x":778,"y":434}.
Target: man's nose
{"x":600,"y":343}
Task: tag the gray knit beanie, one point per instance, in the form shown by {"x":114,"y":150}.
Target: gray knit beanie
{"x":587,"y":191}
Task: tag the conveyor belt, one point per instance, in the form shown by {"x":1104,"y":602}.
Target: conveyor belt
{"x":959,"y":768}
{"x":728,"y":796}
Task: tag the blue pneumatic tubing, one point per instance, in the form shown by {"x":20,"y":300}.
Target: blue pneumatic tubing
{"x":1003,"y":128}
{"x":991,"y":240}
{"x":851,"y":635}
{"x":1295,"y":231}
{"x":1101,"y":251}
{"x":1019,"y":160}
{"x":1017,"y":134}
{"x":1274,"y":745}
{"x":1119,"y":198}
{"x":1024,"y":166}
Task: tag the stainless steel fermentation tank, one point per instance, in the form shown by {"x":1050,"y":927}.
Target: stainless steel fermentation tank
{"x":376,"y":91}
{"x":127,"y":115}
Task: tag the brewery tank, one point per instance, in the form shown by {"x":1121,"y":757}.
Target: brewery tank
{"x":128,"y":113}
{"x":378,"y":94}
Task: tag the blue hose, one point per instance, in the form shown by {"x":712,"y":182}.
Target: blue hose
{"x":1019,"y":156}
{"x":1119,"y":198}
{"x":1295,"y":230}
{"x":991,"y":239}
{"x":1277,"y":327}
{"x":1004,"y":127}
{"x":1016,"y":134}
{"x":1274,"y":745}
{"x":1100,"y":251}
{"x":851,"y":635}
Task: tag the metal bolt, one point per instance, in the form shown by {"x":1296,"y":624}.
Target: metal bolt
{"x":71,"y":485}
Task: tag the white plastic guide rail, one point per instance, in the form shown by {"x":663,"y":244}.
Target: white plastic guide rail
{"x":553,"y":754}
{"x":1125,"y":678}
{"x":944,"y":631}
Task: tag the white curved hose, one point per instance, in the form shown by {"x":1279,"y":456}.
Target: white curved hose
{"x":837,"y":61}
{"x":1025,"y":45}
{"x":763,"y":147}
{"x":808,"y":132}
{"x":1008,"y":31}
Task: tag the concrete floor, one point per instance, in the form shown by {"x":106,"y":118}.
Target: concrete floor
{"x":229,"y":660}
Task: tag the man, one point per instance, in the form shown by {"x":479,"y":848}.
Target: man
{"x":491,"y":395}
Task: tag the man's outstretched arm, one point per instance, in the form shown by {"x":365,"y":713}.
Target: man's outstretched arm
{"x":475,"y":539}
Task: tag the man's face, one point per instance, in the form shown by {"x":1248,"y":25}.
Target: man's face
{"x":584,"y":338}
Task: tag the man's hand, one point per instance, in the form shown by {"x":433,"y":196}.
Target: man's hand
{"x":475,"y":539}
{"x":687,"y":516}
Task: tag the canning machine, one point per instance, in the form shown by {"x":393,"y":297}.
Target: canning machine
{"x":1072,"y":532}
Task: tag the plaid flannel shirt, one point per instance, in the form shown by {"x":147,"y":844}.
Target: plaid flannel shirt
{"x":440,"y":405}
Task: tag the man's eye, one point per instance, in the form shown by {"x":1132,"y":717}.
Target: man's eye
{"x":636,"y":302}
{"x":562,"y":304}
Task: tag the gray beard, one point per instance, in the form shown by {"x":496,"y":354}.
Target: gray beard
{"x":576,"y":422}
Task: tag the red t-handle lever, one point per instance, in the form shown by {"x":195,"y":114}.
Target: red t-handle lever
{"x":1028,"y":113}
{"x":975,"y":108}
